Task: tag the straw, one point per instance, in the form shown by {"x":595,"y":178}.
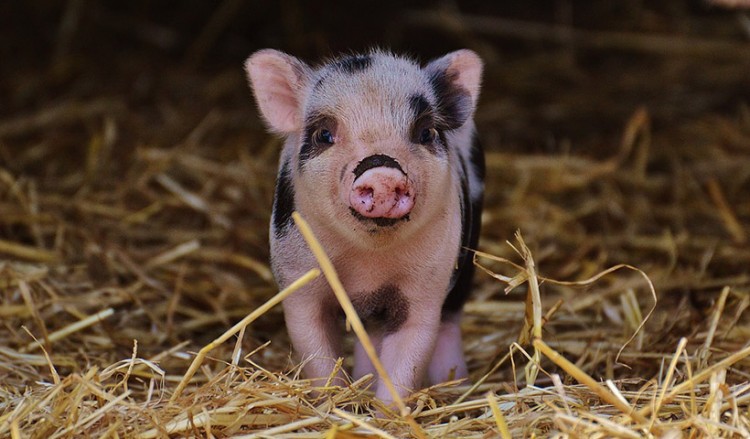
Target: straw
{"x":275,"y":300}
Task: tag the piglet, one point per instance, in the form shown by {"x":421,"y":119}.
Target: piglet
{"x":381,"y":158}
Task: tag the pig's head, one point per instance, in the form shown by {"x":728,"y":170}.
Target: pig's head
{"x":367,"y":150}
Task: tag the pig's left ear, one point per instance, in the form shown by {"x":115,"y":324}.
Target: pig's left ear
{"x":278,"y":81}
{"x":456,"y":79}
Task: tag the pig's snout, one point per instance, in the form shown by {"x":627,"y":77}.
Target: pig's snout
{"x":382,"y":192}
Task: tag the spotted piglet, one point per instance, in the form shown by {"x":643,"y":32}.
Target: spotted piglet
{"x":381,"y":158}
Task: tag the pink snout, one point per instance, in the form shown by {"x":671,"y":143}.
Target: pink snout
{"x":382,"y":192}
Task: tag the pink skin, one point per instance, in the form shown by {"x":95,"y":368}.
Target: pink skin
{"x":362,"y":363}
{"x":382,"y":193}
{"x":447,"y":361}
{"x":405,"y":354}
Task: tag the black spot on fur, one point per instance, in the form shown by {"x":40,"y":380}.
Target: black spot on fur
{"x":477,"y":156}
{"x":419,"y":105}
{"x":470,"y":228}
{"x":307,"y":150}
{"x":283,"y":202}
{"x":424,"y":119}
{"x":354,"y":63}
{"x":375,"y":161}
{"x":310,"y":148}
{"x":349,"y":64}
{"x":454,"y":102}
{"x":386,"y":307}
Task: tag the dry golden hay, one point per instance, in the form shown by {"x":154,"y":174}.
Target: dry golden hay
{"x":129,"y":398}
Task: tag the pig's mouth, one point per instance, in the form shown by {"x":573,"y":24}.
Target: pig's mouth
{"x":379,"y":221}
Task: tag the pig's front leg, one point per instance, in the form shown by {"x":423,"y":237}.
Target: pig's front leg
{"x":362,"y":363}
{"x":314,"y":330}
{"x":405,"y":352}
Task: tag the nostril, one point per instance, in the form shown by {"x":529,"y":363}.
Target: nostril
{"x":365,"y":193}
{"x":401,"y":192}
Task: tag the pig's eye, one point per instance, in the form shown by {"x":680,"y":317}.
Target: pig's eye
{"x":324,"y":136}
{"x":428,"y":135}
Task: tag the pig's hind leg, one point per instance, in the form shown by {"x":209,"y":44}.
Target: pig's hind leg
{"x":447,"y":361}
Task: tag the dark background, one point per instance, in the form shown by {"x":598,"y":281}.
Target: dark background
{"x":542,"y":83}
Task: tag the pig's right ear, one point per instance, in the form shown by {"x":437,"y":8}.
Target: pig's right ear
{"x":278,"y":80}
{"x":456,"y":79}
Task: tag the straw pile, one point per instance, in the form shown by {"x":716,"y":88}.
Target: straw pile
{"x":133,"y":236}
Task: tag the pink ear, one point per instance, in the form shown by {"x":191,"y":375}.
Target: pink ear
{"x":277,"y":80}
{"x":464,"y":67}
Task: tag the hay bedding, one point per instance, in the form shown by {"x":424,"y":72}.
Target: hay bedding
{"x":133,"y":235}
